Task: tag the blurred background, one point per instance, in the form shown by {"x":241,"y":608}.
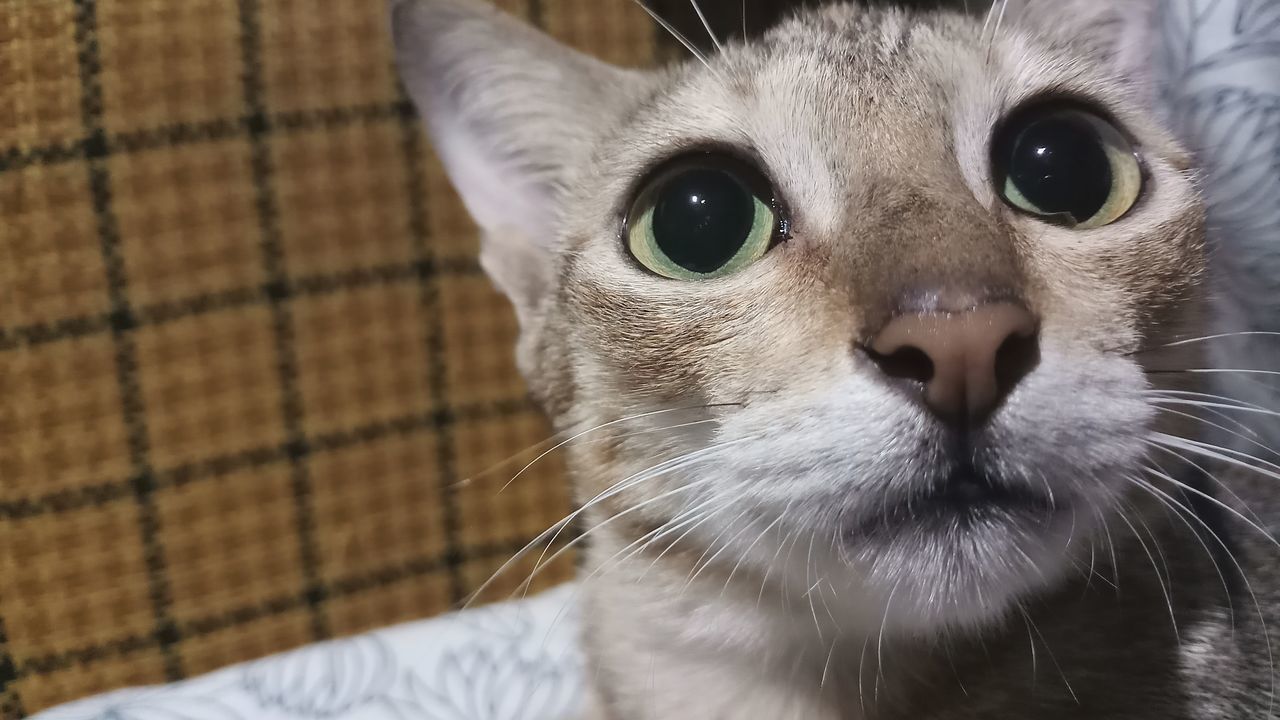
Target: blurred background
{"x":252,"y":376}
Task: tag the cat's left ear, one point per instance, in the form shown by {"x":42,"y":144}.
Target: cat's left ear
{"x":510,"y":112}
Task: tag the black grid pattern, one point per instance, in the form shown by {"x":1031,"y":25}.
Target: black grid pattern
{"x":451,"y":415}
{"x":126,"y":355}
{"x":281,"y":319}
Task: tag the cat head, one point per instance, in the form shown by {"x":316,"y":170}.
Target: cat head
{"x":885,"y":285}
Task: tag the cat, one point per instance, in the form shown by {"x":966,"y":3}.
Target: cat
{"x":878,"y":325}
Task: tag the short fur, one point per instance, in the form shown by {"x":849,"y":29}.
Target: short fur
{"x":736,"y":436}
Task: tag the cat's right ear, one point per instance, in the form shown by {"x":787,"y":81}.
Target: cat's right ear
{"x":509,"y":111}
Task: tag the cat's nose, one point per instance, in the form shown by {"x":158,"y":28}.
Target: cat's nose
{"x":965,"y":363}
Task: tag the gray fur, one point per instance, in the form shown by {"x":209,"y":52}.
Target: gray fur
{"x":765,"y":427}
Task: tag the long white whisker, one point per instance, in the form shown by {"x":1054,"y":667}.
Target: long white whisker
{"x":647,"y":474}
{"x":808,"y":568}
{"x":1204,"y":371}
{"x":1031,"y":625}
{"x":1174,"y":507}
{"x":1197,"y":403}
{"x":1200,"y":493}
{"x":1218,"y":414}
{"x":689,"y":527}
{"x":1204,"y":472}
{"x":1218,"y":336}
{"x":552,"y":533}
{"x":1004,"y":5}
{"x":747,"y":552}
{"x":884,"y":622}
{"x":1111,"y":549}
{"x":1169,"y":392}
{"x":597,"y":428}
{"x":1262,"y":619}
{"x":694,"y":514}
{"x":768,"y":570}
{"x":702,"y":564}
{"x":1226,"y":455}
{"x":544,"y":561}
{"x":1160,"y":580}
{"x":679,"y":37}
{"x":706,"y":25}
{"x":1223,"y":428}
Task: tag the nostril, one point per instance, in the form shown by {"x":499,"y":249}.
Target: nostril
{"x":1017,"y":356}
{"x":906,"y":363}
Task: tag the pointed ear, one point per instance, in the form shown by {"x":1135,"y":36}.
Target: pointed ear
{"x":510,"y":113}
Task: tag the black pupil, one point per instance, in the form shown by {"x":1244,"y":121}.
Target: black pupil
{"x":702,"y":217}
{"x":1059,"y":165}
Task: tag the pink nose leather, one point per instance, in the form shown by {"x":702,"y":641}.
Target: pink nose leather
{"x":967,"y":361}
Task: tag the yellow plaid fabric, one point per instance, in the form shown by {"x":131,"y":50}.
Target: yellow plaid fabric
{"x":248,"y":362}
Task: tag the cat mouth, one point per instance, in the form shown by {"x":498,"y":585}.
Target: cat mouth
{"x":966,"y":497}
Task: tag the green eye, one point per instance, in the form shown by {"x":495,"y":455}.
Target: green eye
{"x":1066,"y":165}
{"x":702,"y":217}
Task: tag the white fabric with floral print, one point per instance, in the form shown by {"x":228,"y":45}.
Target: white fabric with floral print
{"x":512,"y":661}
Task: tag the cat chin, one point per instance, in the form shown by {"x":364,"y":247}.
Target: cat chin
{"x":962,"y":576}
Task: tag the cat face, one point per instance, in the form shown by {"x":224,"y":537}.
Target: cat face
{"x":868,"y":302}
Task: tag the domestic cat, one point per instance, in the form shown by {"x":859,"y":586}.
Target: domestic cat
{"x":879,"y":326}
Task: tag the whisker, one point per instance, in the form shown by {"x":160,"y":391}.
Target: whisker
{"x":1223,"y":428}
{"x":826,"y":666}
{"x":1219,"y":453}
{"x":1204,"y":396}
{"x":1201,"y":494}
{"x":808,"y":568}
{"x":745,"y":553}
{"x":692,"y":515}
{"x":1157,"y":494}
{"x":1111,"y":548}
{"x":768,"y":570}
{"x":635,"y":433}
{"x":862,"y":656}
{"x":1031,"y":625}
{"x":1204,"y":472}
{"x":706,"y":25}
{"x":1262,"y":618}
{"x":690,"y":529}
{"x":1164,"y":588}
{"x":1197,"y":403}
{"x":1155,"y":542}
{"x":1216,"y":413}
{"x":617,"y":488}
{"x":679,"y":37}
{"x":1004,"y":5}
{"x":700,"y":565}
{"x":543,"y":561}
{"x":884,"y":622}
{"x":553,"y":438}
{"x":653,"y":472}
{"x":1209,"y":371}
{"x":1217,"y":336}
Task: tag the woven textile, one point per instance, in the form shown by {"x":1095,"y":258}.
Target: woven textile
{"x":248,"y":362}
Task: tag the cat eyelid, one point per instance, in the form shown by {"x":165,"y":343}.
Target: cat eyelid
{"x":741,"y":154}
